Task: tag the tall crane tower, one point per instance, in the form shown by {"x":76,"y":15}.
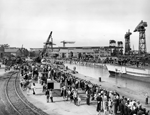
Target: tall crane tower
{"x":142,"y":39}
{"x":67,"y":42}
{"x":48,"y":45}
{"x":127,"y":42}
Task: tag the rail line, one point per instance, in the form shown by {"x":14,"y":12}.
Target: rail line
{"x":17,"y":100}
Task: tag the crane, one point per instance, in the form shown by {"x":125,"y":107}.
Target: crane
{"x":127,"y":42}
{"x":48,"y":45}
{"x":142,"y":39}
{"x":67,"y":42}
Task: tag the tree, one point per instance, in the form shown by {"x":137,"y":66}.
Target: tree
{"x":22,"y":52}
{"x":19,"y":60}
{"x":37,"y":59}
{"x":32,"y":54}
{"x":5,"y":45}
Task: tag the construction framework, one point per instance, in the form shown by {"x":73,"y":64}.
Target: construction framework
{"x":142,"y":38}
{"x":48,"y":46}
{"x":127,"y":42}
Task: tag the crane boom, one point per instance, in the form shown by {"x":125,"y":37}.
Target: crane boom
{"x":141,"y":24}
{"x":49,"y":42}
{"x":67,"y":42}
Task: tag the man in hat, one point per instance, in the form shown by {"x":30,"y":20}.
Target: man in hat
{"x":99,"y":100}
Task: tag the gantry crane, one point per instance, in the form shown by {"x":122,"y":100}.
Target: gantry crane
{"x":142,"y":39}
{"x":48,"y":45}
{"x":67,"y":42}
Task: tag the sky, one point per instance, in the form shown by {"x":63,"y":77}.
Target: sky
{"x":87,"y":22}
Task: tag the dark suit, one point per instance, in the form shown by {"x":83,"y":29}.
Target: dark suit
{"x":99,"y":100}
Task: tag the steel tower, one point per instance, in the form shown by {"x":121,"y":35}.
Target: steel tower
{"x":127,"y":42}
{"x":142,"y":39}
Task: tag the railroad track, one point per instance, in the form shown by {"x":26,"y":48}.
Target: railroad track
{"x":17,"y":100}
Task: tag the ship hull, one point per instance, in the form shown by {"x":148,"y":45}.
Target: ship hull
{"x":130,"y":73}
{"x":124,"y":75}
{"x":112,"y":73}
{"x":138,"y":78}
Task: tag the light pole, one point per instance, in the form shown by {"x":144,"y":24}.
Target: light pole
{"x":126,"y":79}
{"x":102,"y":68}
{"x":116,"y":75}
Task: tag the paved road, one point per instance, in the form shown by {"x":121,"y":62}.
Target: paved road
{"x":60,"y":106}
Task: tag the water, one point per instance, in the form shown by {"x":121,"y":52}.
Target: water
{"x":97,"y":72}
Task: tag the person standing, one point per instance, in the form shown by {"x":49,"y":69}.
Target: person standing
{"x":28,"y":90}
{"x":61,"y":90}
{"x":35,"y":74}
{"x":75,"y":97}
{"x":88,"y":97}
{"x":105,"y":102}
{"x":71,"y":95}
{"x":99,"y":100}
{"x":44,"y":87}
{"x":33,"y":88}
{"x":39,"y":78}
{"x":79,"y":100}
{"x":47,"y":95}
{"x":21,"y":69}
{"x":64,"y":92}
{"x":51,"y":95}
{"x":115,"y":105}
{"x":146,"y":100}
{"x":68,"y":93}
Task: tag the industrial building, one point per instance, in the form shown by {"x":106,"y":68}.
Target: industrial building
{"x":12,"y":51}
{"x":77,"y":52}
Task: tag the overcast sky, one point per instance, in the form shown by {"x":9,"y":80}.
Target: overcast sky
{"x":87,"y":22}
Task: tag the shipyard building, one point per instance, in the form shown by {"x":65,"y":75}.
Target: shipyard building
{"x":78,"y":52}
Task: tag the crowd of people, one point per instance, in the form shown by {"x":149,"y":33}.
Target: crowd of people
{"x":125,"y":61}
{"x":108,"y":102}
